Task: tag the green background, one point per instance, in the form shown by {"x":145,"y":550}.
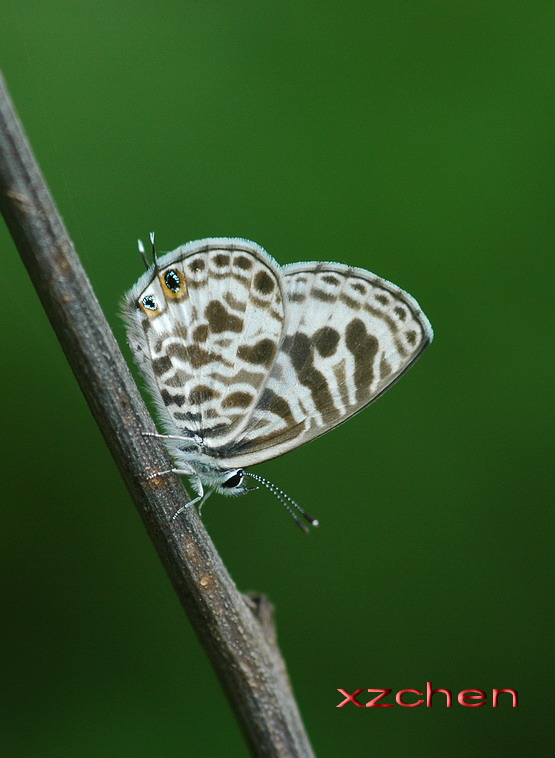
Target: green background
{"x":415,"y":139}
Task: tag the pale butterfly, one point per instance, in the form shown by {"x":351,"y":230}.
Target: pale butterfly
{"x":246,"y":359}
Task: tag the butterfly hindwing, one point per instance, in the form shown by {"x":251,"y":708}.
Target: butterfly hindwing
{"x":349,"y":336}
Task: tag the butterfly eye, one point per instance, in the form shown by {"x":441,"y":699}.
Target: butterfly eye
{"x":235,"y":479}
{"x":150,"y":303}
{"x":172,"y":280}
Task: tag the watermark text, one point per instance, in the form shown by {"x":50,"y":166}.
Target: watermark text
{"x":409,"y":698}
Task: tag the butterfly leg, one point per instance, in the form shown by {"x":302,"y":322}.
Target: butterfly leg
{"x":194,"y":440}
{"x":197,"y":484}
{"x":204,"y":499}
{"x":201,"y":497}
{"x":178,"y":471}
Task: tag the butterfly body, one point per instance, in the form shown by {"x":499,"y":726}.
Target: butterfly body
{"x":247,"y":360}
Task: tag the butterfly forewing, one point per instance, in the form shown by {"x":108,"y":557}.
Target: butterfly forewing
{"x":205,"y":327}
{"x":349,"y":336}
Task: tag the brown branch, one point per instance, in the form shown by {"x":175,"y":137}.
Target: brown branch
{"x":239,"y":637}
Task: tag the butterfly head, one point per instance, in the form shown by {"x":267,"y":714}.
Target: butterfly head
{"x":230,"y":482}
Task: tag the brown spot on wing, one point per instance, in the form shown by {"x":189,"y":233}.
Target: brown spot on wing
{"x":391,"y":323}
{"x":180,"y":331}
{"x":197,"y":264}
{"x":198,"y":357}
{"x":241,"y":377}
{"x":177,"y":379}
{"x":176,"y":350}
{"x":300,"y":352}
{"x":276,"y":404}
{"x":262,"y":352}
{"x":237,"y":305}
{"x":195,"y":355}
{"x":242,"y":262}
{"x":171,"y":399}
{"x":193,"y":418}
{"x":385,"y":367}
{"x":238,"y":400}
{"x":221,"y":320}
{"x":221,"y":260}
{"x":325,"y":341}
{"x":349,"y":302}
{"x":319,"y":294}
{"x":263,"y":282}
{"x":341,"y":378}
{"x":161,"y":365}
{"x":363,"y":347}
{"x":201,"y":394}
{"x":201,"y":333}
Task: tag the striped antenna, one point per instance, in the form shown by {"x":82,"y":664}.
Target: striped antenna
{"x":143,"y":253}
{"x":152,"y":236}
{"x":287,"y":502}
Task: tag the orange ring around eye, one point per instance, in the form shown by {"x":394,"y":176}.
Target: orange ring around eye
{"x":151,"y":309}
{"x":173,"y":283}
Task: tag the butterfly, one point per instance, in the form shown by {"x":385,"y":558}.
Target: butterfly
{"x":246,"y":359}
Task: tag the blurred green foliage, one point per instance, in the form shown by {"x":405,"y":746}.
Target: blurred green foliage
{"x":413,"y":139}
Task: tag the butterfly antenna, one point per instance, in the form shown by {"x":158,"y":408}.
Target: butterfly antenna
{"x":152,"y":236}
{"x":287,"y":502}
{"x":143,"y":253}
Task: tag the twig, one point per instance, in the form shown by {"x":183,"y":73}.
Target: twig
{"x":240,"y":643}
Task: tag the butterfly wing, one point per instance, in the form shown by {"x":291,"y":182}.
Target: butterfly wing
{"x":349,"y":336}
{"x":205,"y":325}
